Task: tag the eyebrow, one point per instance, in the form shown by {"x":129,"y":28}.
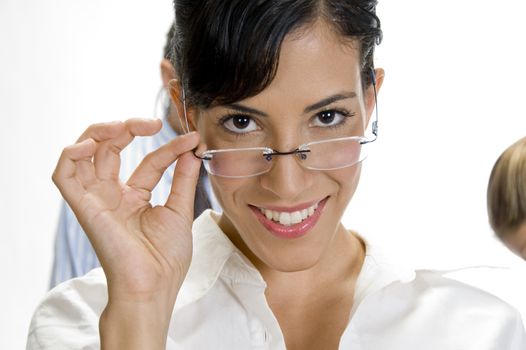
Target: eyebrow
{"x":327,"y":101}
{"x":245,"y":109}
{"x":320,"y":104}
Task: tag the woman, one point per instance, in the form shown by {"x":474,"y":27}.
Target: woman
{"x":277,"y":269}
{"x":507,"y":197}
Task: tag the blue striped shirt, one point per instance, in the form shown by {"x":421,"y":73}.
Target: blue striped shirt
{"x":74,"y":255}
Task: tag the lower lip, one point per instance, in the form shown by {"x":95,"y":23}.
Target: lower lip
{"x":293,"y":231}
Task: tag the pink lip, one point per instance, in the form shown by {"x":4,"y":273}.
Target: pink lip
{"x":293,"y":231}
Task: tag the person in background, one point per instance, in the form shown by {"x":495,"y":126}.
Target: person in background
{"x":506,"y":198}
{"x":73,"y":254}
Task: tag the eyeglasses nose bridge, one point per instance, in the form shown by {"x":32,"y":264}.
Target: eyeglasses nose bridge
{"x":301,"y":152}
{"x":285,"y":174}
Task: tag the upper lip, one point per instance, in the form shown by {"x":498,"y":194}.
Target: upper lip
{"x":289,"y":209}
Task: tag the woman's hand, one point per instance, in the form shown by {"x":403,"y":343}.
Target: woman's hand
{"x":145,"y":252}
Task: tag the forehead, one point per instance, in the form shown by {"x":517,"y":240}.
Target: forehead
{"x":314,"y":62}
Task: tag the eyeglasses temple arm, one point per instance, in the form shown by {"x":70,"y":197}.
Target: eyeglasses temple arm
{"x":184,"y":110}
{"x":375,"y":122}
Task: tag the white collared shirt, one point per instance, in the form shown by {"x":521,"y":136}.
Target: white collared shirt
{"x":222,"y":305}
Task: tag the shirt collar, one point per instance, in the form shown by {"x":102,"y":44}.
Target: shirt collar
{"x":214,"y":254}
{"x":379,"y":271}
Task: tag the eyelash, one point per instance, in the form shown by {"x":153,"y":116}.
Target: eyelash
{"x":221,"y":123}
{"x":345,"y":113}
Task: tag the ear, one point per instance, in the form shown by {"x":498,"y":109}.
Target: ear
{"x":167,"y":72}
{"x":378,"y":77}
{"x":176,"y":93}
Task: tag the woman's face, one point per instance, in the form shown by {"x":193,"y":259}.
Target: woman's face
{"x":316,"y":94}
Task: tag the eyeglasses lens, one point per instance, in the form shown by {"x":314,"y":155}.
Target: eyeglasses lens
{"x":237,"y":163}
{"x":322,"y":155}
{"x":334,"y":154}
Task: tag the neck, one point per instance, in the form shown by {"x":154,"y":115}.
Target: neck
{"x":333,"y":276}
{"x":335,"y":273}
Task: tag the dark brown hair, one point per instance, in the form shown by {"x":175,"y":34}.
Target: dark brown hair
{"x":226,"y":51}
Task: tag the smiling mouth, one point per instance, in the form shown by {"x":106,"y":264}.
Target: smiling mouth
{"x":290,"y":224}
{"x":289,"y":218}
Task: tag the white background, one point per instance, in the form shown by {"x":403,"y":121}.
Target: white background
{"x":452,"y":101}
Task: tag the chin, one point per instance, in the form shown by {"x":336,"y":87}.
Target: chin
{"x":294,"y":255}
{"x":300,"y":260}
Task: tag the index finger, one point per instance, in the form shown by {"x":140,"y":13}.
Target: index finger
{"x":153,"y":166}
{"x":102,"y":131}
{"x":105,"y":131}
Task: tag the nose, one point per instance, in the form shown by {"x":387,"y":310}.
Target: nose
{"x":287,"y":179}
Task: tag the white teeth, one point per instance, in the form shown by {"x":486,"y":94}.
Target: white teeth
{"x":289,"y":218}
{"x":285,"y":219}
{"x":295,"y":217}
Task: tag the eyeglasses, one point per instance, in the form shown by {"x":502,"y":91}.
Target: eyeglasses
{"x":319,"y":155}
{"x":329,"y":154}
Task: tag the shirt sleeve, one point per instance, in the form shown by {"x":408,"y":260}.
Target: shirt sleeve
{"x":518,"y":334}
{"x":73,"y":254}
{"x":68,"y":317}
{"x":434,"y":312}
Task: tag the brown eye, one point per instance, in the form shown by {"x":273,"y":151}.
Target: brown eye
{"x":327,"y":117}
{"x":330,"y":118}
{"x":240,"y":124}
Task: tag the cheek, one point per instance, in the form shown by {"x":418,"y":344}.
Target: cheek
{"x":347,"y":180}
{"x":232,"y":194}
{"x":228,"y":190}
